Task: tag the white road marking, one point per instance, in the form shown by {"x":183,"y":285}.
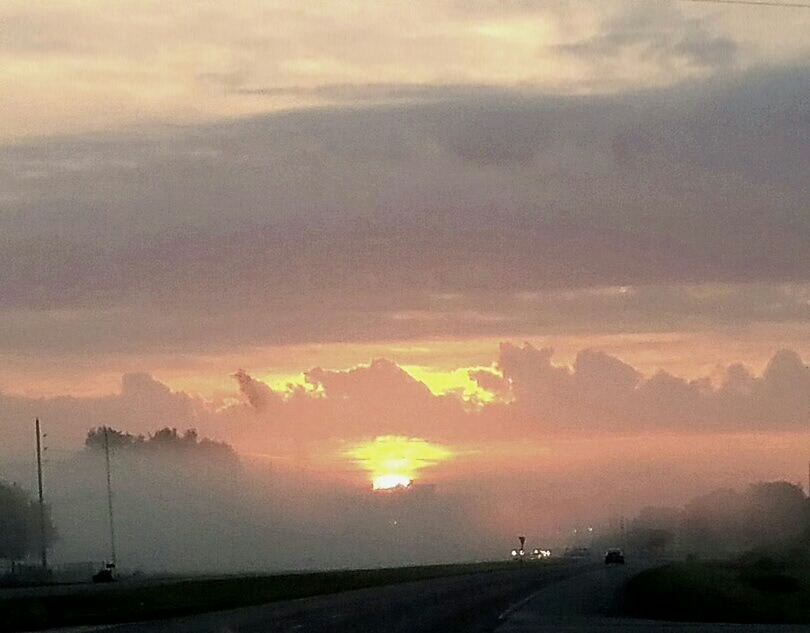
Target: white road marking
{"x":518,"y":605}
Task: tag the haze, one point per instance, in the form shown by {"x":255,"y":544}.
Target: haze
{"x":546,"y":261}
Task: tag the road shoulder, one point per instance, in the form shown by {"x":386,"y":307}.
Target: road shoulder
{"x":592,"y":602}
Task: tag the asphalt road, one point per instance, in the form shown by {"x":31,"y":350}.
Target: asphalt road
{"x":72,"y":589}
{"x":590,"y":602}
{"x":460,"y":604}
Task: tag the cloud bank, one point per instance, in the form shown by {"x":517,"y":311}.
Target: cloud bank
{"x":528,"y":395}
{"x":488,"y":212}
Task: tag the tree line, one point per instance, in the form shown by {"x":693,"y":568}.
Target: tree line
{"x":20,"y":535}
{"x":162,"y":439}
{"x":766,"y":518}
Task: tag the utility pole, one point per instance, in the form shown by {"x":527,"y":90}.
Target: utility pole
{"x":42,"y":539}
{"x":109,"y":495}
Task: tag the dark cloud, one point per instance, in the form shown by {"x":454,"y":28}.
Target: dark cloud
{"x":142,"y":405}
{"x":663,"y":34}
{"x":602,"y":393}
{"x":259,"y":395}
{"x":380,"y":377}
{"x":331,"y":222}
{"x":371,"y":92}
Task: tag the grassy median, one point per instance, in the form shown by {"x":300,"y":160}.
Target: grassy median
{"x":123,"y":603}
{"x":721,"y":592}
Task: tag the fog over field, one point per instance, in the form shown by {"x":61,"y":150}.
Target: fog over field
{"x":185,"y":512}
{"x":285,"y":499}
{"x":539,"y":264}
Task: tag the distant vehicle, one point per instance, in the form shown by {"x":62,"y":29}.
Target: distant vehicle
{"x":577,"y":552}
{"x":105,"y":574}
{"x":614,"y":557}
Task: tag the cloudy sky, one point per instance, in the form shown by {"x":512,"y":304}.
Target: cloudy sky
{"x":299,"y":228}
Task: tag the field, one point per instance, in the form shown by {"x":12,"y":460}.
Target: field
{"x":124,"y":602}
{"x":721,"y":592}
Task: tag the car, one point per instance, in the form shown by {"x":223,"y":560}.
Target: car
{"x":614,"y":557}
{"x":577,"y":553}
{"x":106,"y":574}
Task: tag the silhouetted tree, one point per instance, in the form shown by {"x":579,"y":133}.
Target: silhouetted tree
{"x":117,"y":439}
{"x":19,"y":523}
{"x":767,"y":518}
{"x":712,"y":523}
{"x":163,"y":439}
{"x":775,"y":512}
{"x":653,"y":531}
{"x":653,"y":541}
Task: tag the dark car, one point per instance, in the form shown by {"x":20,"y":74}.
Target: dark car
{"x":614,"y":557}
{"x":105,"y":574}
{"x":577,"y":552}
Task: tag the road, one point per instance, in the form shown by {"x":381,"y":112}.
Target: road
{"x":590,"y":602}
{"x":580,"y":598}
{"x":460,"y":604}
{"x":72,"y":589}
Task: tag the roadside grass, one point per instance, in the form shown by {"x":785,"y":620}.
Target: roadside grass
{"x":122,"y":603}
{"x":721,"y":592}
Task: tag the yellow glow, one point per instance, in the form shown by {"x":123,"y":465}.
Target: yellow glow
{"x":286,"y":382}
{"x":441,"y":382}
{"x":389,"y":482}
{"x":517,"y":33}
{"x":394,"y":461}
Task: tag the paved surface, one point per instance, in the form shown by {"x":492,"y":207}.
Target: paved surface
{"x":65,"y":589}
{"x":460,"y":604}
{"x":590,"y":602}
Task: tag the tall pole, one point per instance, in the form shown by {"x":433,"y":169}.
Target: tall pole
{"x":42,"y":541}
{"x":109,"y":495}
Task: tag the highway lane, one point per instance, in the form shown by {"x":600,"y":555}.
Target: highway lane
{"x":459,"y":604}
{"x":71,"y":589}
{"x":591,"y":603}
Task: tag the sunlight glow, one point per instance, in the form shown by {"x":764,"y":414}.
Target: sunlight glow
{"x":390,"y":482}
{"x":394,"y":461}
{"x":442,"y":382}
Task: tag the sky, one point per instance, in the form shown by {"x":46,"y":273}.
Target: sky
{"x":516,"y":232}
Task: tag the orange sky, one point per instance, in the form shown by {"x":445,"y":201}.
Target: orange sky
{"x":441,"y":364}
{"x":301,"y":228}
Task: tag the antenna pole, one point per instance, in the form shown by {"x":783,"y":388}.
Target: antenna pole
{"x":42,"y":541}
{"x":109,"y":495}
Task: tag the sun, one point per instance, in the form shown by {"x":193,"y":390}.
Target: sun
{"x":390,"y":482}
{"x":394,"y":462}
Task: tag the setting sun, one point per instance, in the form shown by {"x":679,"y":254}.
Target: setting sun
{"x":390,"y":482}
{"x":393,"y":461}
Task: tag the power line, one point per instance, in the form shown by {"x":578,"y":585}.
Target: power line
{"x":43,"y":543}
{"x":755,"y":3}
{"x":109,"y":495}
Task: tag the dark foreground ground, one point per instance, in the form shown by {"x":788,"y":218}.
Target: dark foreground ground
{"x":722,"y":592}
{"x":543,"y":598}
{"x":436,"y":598}
{"x":593,"y":602}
